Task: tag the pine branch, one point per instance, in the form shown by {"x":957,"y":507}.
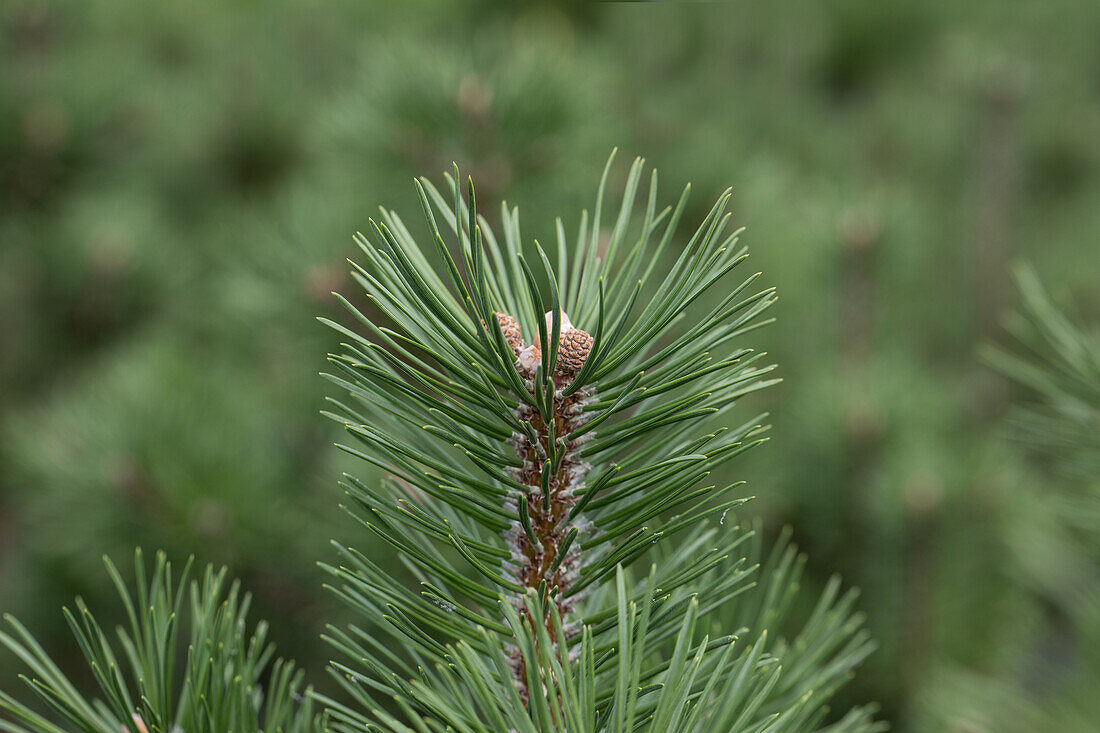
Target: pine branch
{"x":535,"y":459}
{"x":229,"y":680}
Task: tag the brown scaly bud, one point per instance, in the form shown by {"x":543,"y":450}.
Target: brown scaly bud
{"x":573,"y":349}
{"x":510,"y":329}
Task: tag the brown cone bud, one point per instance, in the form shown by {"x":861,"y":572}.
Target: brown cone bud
{"x":510,"y":329}
{"x":573,"y":349}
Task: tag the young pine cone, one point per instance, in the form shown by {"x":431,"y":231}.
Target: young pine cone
{"x":573,"y":349}
{"x":573,"y":345}
{"x":510,"y":329}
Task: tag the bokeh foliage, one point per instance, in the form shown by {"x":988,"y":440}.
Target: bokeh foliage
{"x":179,"y":183}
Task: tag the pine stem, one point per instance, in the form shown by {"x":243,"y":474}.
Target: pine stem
{"x":544,"y":553}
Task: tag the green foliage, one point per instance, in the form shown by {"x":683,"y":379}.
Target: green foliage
{"x":719,"y":682}
{"x":186,"y":662}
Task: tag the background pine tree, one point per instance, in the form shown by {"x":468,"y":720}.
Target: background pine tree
{"x":1044,"y":678}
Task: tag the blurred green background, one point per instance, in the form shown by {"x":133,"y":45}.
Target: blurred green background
{"x":179,"y":183}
